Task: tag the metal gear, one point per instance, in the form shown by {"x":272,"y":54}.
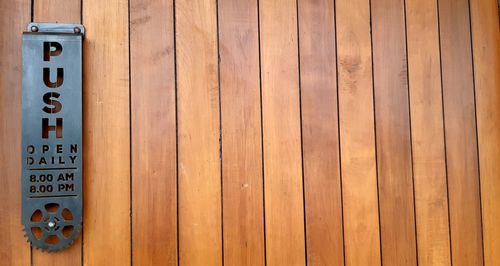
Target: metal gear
{"x":52,"y":227}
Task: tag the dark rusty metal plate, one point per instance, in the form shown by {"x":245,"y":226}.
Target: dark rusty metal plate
{"x":52,"y":134}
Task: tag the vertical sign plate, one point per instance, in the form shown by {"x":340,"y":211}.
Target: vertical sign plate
{"x":52,"y":134}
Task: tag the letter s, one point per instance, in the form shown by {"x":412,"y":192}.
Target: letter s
{"x":47,"y":98}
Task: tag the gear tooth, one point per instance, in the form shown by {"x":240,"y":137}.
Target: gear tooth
{"x":26,"y":234}
{"x":77,"y":233}
{"x":77,"y":224}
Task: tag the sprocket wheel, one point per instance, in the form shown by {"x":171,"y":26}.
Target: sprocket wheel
{"x":52,"y":227}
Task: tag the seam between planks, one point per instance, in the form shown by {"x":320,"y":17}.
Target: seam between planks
{"x":375,"y":136}
{"x":220,"y":135}
{"x":411,"y":134}
{"x":301,"y":134}
{"x":338,"y":130}
{"x":130,"y":137}
{"x":444,"y":133}
{"x":262,"y":137}
{"x":174,"y":25}
{"x":476,"y":131}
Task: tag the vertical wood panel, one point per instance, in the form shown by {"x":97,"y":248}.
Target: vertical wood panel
{"x":460,"y":126}
{"x":393,"y":133}
{"x":154,"y":178}
{"x":486,"y":47}
{"x":431,"y":195}
{"x":357,"y":133}
{"x":323,"y":202}
{"x":241,"y":133}
{"x":278,"y":137}
{"x":284,"y":208}
{"x":106,"y":133}
{"x":14,"y":16}
{"x":198,"y":117}
{"x":60,"y":11}
{"x":50,"y":11}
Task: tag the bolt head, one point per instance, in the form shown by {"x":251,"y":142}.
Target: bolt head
{"x":34,"y":28}
{"x":77,"y":30}
{"x":51,"y":224}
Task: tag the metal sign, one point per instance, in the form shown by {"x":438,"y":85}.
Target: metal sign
{"x":52,"y":134}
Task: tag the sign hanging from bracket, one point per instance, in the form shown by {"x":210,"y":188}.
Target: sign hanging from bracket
{"x":52,"y":134}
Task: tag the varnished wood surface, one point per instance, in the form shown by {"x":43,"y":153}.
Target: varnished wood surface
{"x":393,"y":135}
{"x":267,"y":132}
{"x":153,"y":133}
{"x":486,"y":56}
{"x":283,"y":180}
{"x":321,"y":155}
{"x":357,"y":134}
{"x":50,"y":11}
{"x":106,"y":219}
{"x":460,"y":127}
{"x":200,"y":225}
{"x":429,"y":162}
{"x":241,"y":125}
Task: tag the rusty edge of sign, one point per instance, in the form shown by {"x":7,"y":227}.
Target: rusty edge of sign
{"x":55,"y":28}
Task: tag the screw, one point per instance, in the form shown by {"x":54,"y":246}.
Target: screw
{"x":77,"y":30}
{"x":34,"y":28}
{"x":51,"y":224}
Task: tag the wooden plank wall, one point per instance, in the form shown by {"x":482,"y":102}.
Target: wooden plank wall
{"x":265,"y":132}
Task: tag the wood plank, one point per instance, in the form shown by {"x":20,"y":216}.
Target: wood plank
{"x":393,"y":133}
{"x":284,"y":209}
{"x":50,"y":11}
{"x":15,"y":15}
{"x":460,"y":128}
{"x":323,"y":197}
{"x":431,"y":194}
{"x":357,"y":133}
{"x":106,"y":133}
{"x":200,"y":235}
{"x":154,"y":174}
{"x":241,"y":133}
{"x":486,"y":47}
{"x":59,"y":11}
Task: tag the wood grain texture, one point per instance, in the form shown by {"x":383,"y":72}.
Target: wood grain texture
{"x":486,"y":47}
{"x":50,"y":11}
{"x":357,"y":133}
{"x":60,"y":11}
{"x":460,"y":126}
{"x":106,"y":220}
{"x":393,"y":133}
{"x":284,"y":209}
{"x":241,"y":133}
{"x":153,"y":129}
{"x":323,"y":197}
{"x":200,"y":236}
{"x":14,"y":16}
{"x":429,"y":162}
{"x":263,"y":169}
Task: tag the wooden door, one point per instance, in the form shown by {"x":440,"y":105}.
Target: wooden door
{"x":273,"y":132}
